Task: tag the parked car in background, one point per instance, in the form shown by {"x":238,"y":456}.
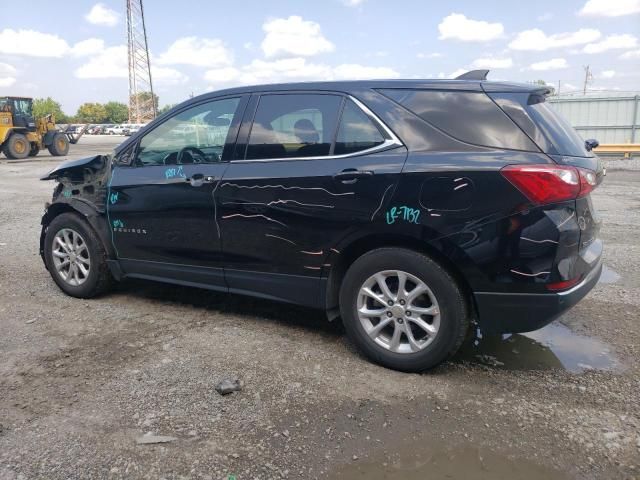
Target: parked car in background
{"x":409,"y":208}
{"x":134,"y":128}
{"x":115,"y":130}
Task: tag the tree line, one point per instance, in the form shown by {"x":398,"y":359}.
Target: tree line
{"x":90,"y":112}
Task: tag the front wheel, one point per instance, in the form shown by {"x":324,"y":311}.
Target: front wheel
{"x":75,"y":257}
{"x":402,"y":309}
{"x":59,"y":146}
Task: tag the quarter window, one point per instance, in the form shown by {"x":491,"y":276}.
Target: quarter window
{"x":471,"y":117}
{"x":196,"y":135}
{"x":293,"y":126}
{"x":357,"y":132}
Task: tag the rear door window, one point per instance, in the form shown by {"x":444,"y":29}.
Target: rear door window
{"x":471,"y":117}
{"x":357,"y":131}
{"x":294,"y":126}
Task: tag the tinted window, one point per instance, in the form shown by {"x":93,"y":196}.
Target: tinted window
{"x":471,"y":117}
{"x":293,"y":125}
{"x":559,"y":132}
{"x":357,"y":131}
{"x":196,"y":135}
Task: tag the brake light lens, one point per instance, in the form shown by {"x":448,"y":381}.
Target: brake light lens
{"x":543,"y":184}
{"x":563,"y":285}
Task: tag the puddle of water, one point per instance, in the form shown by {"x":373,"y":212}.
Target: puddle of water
{"x":608,"y":275}
{"x":552,"y":347}
{"x":462,"y":463}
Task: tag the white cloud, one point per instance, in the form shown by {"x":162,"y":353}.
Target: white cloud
{"x":568,"y":86}
{"x":32,"y":43}
{"x":492,"y":63}
{"x":38,"y":44}
{"x":536,"y":40}
{"x":294,"y":69}
{"x":222,"y":75}
{"x":7,"y":81}
{"x":167,"y":76}
{"x":553,"y":64}
{"x":200,"y":52}
{"x":612,"y":42}
{"x":429,"y":55}
{"x":294,"y":36}
{"x":630,"y":55}
{"x":109,"y":63}
{"x":353,"y":3}
{"x":458,"y":27}
{"x":102,"y":15}
{"x":544,"y":17}
{"x":90,"y":46}
{"x":610,"y":8}
{"x":112,"y":62}
{"x":608,"y":74}
{"x":7,"y":75}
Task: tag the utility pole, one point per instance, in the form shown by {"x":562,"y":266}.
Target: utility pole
{"x":142,"y":102}
{"x":588,"y":77}
{"x":558,"y":92}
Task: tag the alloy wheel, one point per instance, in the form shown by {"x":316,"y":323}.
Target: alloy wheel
{"x":398,"y":311}
{"x":71,"y":257}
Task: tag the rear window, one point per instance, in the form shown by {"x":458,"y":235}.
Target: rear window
{"x":471,"y":117}
{"x":557,"y":130}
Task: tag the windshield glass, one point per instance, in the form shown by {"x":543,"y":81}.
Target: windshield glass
{"x":557,"y":130}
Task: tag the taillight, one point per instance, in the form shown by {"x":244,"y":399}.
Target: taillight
{"x":550,"y":183}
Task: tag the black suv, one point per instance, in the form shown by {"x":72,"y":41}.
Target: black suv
{"x":408,"y":208}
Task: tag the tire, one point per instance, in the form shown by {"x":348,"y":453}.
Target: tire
{"x":98,"y":278}
{"x":444,"y":328}
{"x":17,"y":147}
{"x":59,"y":145}
{"x":35,"y":149}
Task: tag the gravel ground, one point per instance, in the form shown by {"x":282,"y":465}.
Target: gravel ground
{"x":84,"y":384}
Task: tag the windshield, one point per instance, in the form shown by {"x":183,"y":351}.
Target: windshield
{"x":557,"y":130}
{"x":22,"y":107}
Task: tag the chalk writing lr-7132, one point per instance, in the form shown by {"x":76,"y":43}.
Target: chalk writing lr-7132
{"x":117,"y":223}
{"x":404,"y":213}
{"x":174,"y":173}
{"x":113,"y":198}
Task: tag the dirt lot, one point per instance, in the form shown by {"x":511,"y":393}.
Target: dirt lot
{"x":82,"y":381}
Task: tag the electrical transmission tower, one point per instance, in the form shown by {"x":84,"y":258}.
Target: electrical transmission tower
{"x":142,"y":101}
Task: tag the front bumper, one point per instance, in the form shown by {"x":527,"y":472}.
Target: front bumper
{"x":525,"y":312}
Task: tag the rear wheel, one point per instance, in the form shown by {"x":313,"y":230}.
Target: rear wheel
{"x":35,"y":149}
{"x":76,"y":258}
{"x":402,"y":309}
{"x":59,"y":146}
{"x":17,"y":146}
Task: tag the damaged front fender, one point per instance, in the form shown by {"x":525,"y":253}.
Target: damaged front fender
{"x":81,"y":189}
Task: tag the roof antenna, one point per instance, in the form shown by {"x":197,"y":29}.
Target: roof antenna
{"x":473,"y":75}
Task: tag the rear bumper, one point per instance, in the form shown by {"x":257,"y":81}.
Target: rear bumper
{"x":525,"y":312}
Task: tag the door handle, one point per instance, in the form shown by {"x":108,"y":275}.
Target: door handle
{"x":351,"y":175}
{"x":198,"y":179}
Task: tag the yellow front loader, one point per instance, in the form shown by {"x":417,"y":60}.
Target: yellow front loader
{"x":22,"y":136}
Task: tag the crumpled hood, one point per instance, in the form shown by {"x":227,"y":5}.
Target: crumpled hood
{"x":65,"y":167}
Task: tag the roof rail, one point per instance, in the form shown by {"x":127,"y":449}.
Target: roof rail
{"x":473,"y":75}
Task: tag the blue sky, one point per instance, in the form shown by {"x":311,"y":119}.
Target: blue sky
{"x":75,"y":52}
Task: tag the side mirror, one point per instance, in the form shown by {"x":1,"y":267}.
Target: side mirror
{"x":590,"y":144}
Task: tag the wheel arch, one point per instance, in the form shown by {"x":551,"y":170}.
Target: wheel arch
{"x":362,"y":245}
{"x":88,"y":212}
